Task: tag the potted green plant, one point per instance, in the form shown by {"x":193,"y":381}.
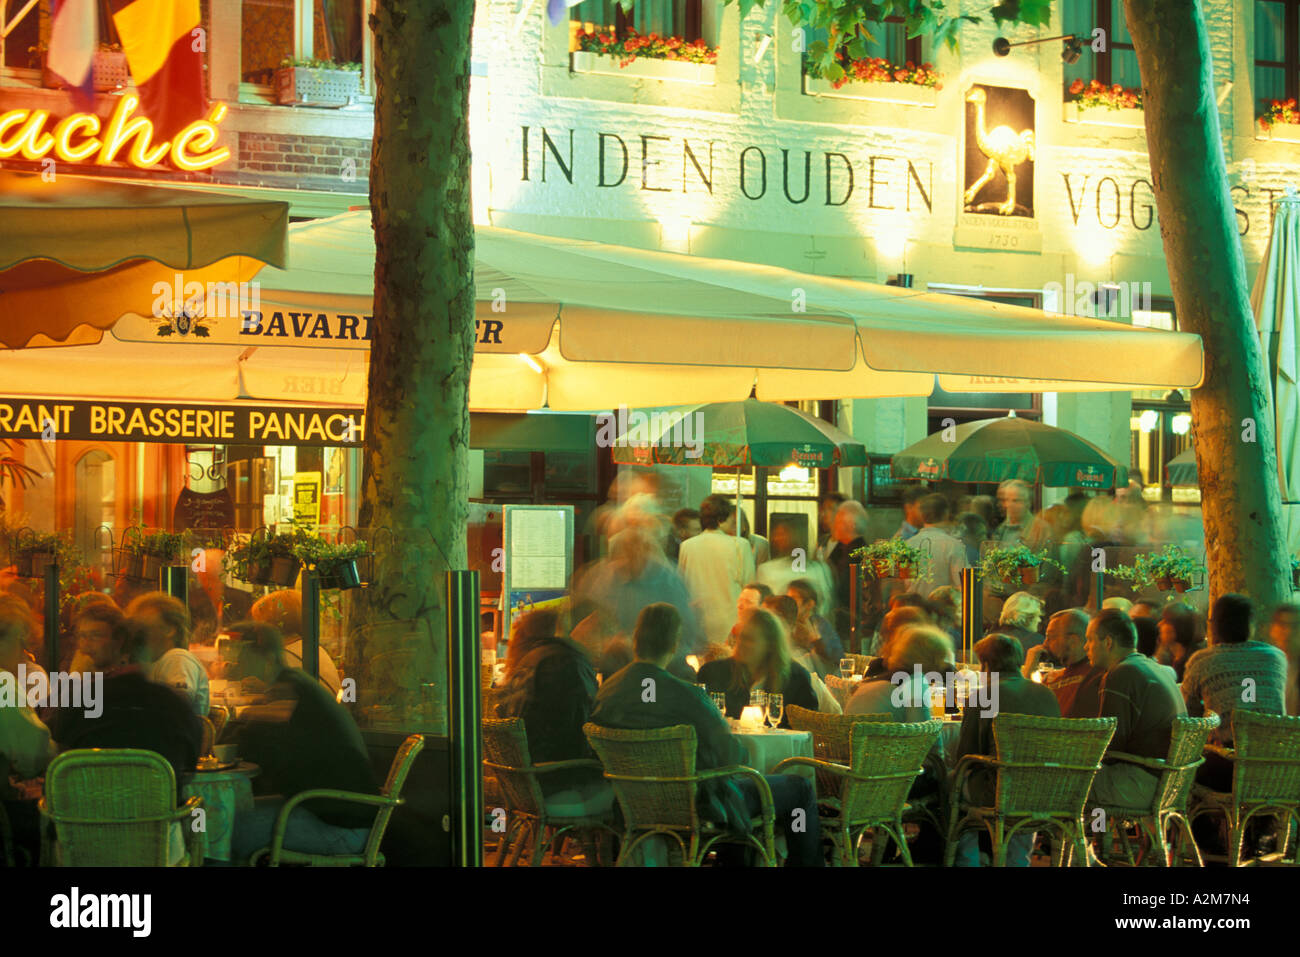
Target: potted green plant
{"x":33,"y":552}
{"x":1171,"y":568}
{"x":336,"y":564}
{"x":270,"y":560}
{"x":313,"y":82}
{"x":892,"y":558}
{"x":1015,"y":561}
{"x":145,"y":556}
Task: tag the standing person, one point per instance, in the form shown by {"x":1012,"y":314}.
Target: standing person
{"x":1144,"y":702}
{"x":947,"y":554}
{"x":715,"y":565}
{"x":1218,"y":678}
{"x":761,"y":662}
{"x":973,"y":531}
{"x":779,"y":572}
{"x":1000,"y":656}
{"x":1013,"y":500}
{"x":913,"y":520}
{"x":1284,"y":632}
{"x":733,"y":801}
{"x":848,"y":530}
{"x":759,"y":545}
{"x":164,"y":625}
{"x":686,"y":525}
{"x":827,"y":506}
{"x":1077,"y":685}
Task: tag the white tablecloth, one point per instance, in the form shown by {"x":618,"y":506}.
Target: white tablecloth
{"x":767,"y":749}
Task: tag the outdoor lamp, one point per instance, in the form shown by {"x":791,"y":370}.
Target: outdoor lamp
{"x":1071,"y":48}
{"x":1182,"y":423}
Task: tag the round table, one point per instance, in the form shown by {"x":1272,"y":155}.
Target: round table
{"x":224,"y":793}
{"x":769,"y":748}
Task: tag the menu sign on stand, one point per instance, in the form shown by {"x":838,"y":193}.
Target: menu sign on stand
{"x":538,"y":542}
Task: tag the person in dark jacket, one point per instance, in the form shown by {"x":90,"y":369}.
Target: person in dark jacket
{"x":303,"y":740}
{"x":623,"y":702}
{"x":552,"y":688}
{"x":761,"y":662}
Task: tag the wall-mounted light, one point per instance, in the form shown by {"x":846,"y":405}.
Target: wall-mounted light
{"x":764,"y":42}
{"x":1071,"y":46}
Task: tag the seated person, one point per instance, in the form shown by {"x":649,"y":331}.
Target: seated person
{"x":761,"y":662}
{"x":1077,"y":685}
{"x":894,"y":623}
{"x":1148,"y":632}
{"x":303,"y":740}
{"x":283,"y":609}
{"x":751,"y":597}
{"x":1000,"y":656}
{"x":813,"y":632}
{"x":787,"y":612}
{"x":164,"y":628}
{"x":945,"y":607}
{"x":135,"y":712}
{"x":733,"y":802}
{"x":1019,"y":618}
{"x":101,"y":633}
{"x":25,"y":747}
{"x":552,"y":687}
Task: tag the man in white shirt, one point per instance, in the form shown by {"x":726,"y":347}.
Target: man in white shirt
{"x":164,"y":624}
{"x":715,"y":565}
{"x":947,"y":554}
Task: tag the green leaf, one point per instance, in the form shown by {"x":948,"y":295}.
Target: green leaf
{"x":1008,"y":11}
{"x":857,"y":48}
{"x":748,"y":5}
{"x":833,"y":72}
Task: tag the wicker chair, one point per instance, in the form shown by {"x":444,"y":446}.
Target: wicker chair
{"x":1176,"y":773}
{"x":655,"y":780}
{"x":1045,"y":768}
{"x":387,"y":800}
{"x":1265,"y":779}
{"x":115,"y":807}
{"x":518,"y":781}
{"x":884,"y":760}
{"x":830,"y":743}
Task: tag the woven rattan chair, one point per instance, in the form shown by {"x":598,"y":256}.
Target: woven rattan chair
{"x":531,"y":814}
{"x":1265,"y":779}
{"x":387,"y":800}
{"x":830,"y":742}
{"x":657,"y":785}
{"x":1176,"y":773}
{"x":884,"y":760}
{"x":1045,"y":768}
{"x":115,"y":807}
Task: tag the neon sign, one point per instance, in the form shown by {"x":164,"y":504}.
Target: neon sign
{"x":76,"y":138}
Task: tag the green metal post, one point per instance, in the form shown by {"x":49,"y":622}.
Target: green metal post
{"x":464,"y":733}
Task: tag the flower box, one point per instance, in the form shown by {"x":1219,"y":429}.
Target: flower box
{"x":909,"y":94}
{"x":1279,"y":132}
{"x":649,"y":68}
{"x":310,"y":86}
{"x":108,"y":70}
{"x":1126,"y":118}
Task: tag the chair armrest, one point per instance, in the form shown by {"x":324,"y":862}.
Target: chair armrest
{"x":1228,"y":754}
{"x":176,"y":814}
{"x":807,"y":762}
{"x":1151,"y":764}
{"x":546,"y":767}
{"x":334,"y":794}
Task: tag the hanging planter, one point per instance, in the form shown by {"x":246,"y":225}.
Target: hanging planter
{"x":1028,"y":575}
{"x":892,"y":558}
{"x":1170,"y":569}
{"x":265,"y":561}
{"x":1017,"y":563}
{"x":336,"y":564}
{"x":142,"y":558}
{"x":33,"y":554}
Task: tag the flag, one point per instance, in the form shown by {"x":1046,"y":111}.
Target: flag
{"x":166,"y":59}
{"x":74,"y":26}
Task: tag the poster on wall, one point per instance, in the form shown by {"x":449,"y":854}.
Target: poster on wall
{"x":998,"y":151}
{"x":538,"y":547}
{"x":306,"y":499}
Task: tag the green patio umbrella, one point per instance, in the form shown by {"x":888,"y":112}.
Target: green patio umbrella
{"x":733,"y":434}
{"x":994,"y":450}
{"x":1182,"y":469}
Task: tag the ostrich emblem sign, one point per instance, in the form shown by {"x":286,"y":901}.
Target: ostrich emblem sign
{"x":996,"y":185}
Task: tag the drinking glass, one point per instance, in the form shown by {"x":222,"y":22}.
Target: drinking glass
{"x":846,"y":668}
{"x":758,"y":699}
{"x":775,"y":709}
{"x":719,"y":699}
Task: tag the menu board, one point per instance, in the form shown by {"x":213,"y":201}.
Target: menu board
{"x":538,"y":543}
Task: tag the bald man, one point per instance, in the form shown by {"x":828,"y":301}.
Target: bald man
{"x":1077,"y":685}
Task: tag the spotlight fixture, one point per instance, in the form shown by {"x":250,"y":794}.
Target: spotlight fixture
{"x":1071,"y":49}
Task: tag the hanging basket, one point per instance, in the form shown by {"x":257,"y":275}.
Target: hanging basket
{"x":259,"y":573}
{"x":284,"y":570}
{"x":31,"y":563}
{"x":1164,"y":583}
{"x":1180,"y":584}
{"x":1028,"y":575}
{"x":906,"y":572}
{"x":343,"y":574}
{"x":881,"y":569}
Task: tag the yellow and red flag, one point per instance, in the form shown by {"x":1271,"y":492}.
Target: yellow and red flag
{"x":164,"y":45}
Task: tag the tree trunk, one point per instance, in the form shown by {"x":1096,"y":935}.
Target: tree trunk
{"x":1231,"y":412}
{"x":415,"y":480}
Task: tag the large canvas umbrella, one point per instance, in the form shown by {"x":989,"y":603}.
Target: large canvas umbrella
{"x":995,"y":450}
{"x":77,"y":253}
{"x":1276,"y":302}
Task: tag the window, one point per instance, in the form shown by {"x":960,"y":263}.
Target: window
{"x":1118,"y":65}
{"x":890,"y":42}
{"x":668,"y":18}
{"x":1277,"y":52}
{"x":271,"y":30}
{"x":95,"y":506}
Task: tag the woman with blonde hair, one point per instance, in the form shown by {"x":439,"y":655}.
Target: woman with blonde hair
{"x":760,"y":662}
{"x":1021,"y":615}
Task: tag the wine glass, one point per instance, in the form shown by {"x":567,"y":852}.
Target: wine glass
{"x":775,"y":709}
{"x":758,"y":699}
{"x":846,"y":668}
{"x":719,"y":699}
